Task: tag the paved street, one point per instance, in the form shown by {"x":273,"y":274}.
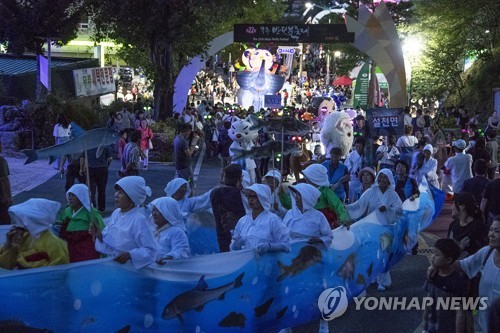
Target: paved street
{"x":41,"y":180}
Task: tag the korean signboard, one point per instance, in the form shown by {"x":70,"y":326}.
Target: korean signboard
{"x":94,"y":81}
{"x":385,"y":121}
{"x":272,"y":101}
{"x":292,"y":33}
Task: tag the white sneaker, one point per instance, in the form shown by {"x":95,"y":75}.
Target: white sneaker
{"x":380,"y":287}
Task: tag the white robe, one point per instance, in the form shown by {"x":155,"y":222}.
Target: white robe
{"x":371,"y":200}
{"x":128,"y":232}
{"x":310,"y":222}
{"x":172,"y":241}
{"x":266,"y":228}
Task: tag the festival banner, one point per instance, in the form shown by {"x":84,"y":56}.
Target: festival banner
{"x":361,"y":87}
{"x":94,"y":81}
{"x":385,"y":121}
{"x":221,"y":292}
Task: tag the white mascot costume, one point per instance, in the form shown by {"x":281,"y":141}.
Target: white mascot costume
{"x":243,"y":139}
{"x":337,"y":132}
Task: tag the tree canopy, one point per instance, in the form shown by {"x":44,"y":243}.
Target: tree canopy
{"x":169,"y":32}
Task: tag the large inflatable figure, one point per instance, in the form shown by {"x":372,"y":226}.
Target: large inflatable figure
{"x":257,"y":81}
{"x":337,"y":132}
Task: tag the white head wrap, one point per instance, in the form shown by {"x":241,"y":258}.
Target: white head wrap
{"x":317,"y":174}
{"x":136,"y":189}
{"x":35,"y":215}
{"x":81,"y":191}
{"x":389,"y":175}
{"x":429,"y":147}
{"x":263,"y":193}
{"x":309,"y":194}
{"x":174,"y":185}
{"x":275,"y":174}
{"x":170,"y":210}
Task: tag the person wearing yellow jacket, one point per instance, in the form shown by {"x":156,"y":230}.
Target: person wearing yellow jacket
{"x":30,"y":243}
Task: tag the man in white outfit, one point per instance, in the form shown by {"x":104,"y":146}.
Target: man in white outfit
{"x":459,"y":165}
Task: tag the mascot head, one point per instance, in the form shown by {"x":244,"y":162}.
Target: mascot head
{"x":337,"y":132}
{"x":240,"y":130}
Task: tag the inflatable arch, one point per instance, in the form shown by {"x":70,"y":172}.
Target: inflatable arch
{"x":376,"y":35}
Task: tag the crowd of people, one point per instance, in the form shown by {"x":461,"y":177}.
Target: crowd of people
{"x":332,"y":190}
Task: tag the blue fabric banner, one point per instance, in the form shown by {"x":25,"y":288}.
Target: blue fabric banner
{"x":217,"y":292}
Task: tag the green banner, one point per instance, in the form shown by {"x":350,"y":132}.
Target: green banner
{"x":361,"y":87}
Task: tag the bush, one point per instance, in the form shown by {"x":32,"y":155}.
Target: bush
{"x":163,"y":141}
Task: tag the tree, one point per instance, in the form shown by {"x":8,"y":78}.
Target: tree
{"x":170,"y":32}
{"x":26,"y":24}
{"x":455,"y":31}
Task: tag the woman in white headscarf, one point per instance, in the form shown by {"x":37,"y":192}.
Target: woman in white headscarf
{"x":303,"y":221}
{"x":384,"y":200}
{"x":75,"y":223}
{"x":30,"y":243}
{"x":170,"y":231}
{"x":273,"y":180}
{"x":259,"y":228}
{"x":424,"y":165}
{"x":128,"y":236}
{"x":381,"y":198}
{"x":179,"y":189}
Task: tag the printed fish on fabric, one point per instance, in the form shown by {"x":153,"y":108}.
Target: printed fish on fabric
{"x":227,"y":291}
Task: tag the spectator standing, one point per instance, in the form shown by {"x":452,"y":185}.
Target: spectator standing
{"x":131,"y":156}
{"x":491,"y":198}
{"x":478,"y":182}
{"x":447,"y":282}
{"x":459,"y":165}
{"x":492,"y":148}
{"x":406,"y":144}
{"x":183,"y":153}
{"x":227,"y":205}
{"x":62,"y":133}
{"x":146,"y":137}
{"x":224,"y":141}
{"x":388,"y":155}
{"x":5,"y":190}
{"x":493,"y":122}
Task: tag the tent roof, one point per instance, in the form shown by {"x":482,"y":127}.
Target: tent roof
{"x":14,"y":65}
{"x":342,"y":81}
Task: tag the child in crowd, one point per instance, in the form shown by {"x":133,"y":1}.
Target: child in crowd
{"x":122,"y":141}
{"x":447,"y":282}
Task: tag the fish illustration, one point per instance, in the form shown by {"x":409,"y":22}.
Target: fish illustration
{"x":262,"y":309}
{"x":196,"y":298}
{"x":385,"y":241}
{"x":125,"y":329}
{"x":346,"y":271}
{"x":266,"y":150}
{"x":369,"y":270}
{"x":308,"y":256}
{"x":281,"y":312}
{"x":96,"y":138}
{"x":20,"y":327}
{"x":289,"y":125}
{"x":233,"y":320}
{"x":360,"y":280}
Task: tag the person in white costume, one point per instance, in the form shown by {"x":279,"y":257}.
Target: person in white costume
{"x":427,"y":167}
{"x":178,"y":188}
{"x":128,"y":236}
{"x":383,"y":199}
{"x":303,"y":220}
{"x":273,"y":180}
{"x":170,"y":231}
{"x":259,"y":228}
